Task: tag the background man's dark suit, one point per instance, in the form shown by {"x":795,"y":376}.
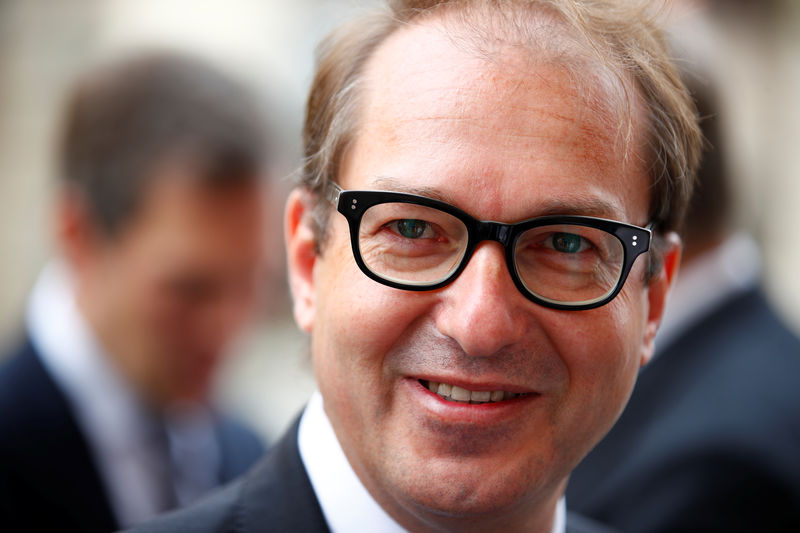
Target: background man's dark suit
{"x":48,"y":478}
{"x":710,"y":440}
{"x":276,"y":495}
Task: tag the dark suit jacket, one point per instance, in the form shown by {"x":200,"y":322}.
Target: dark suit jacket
{"x":710,"y":440}
{"x":48,"y":477}
{"x":276,"y":495}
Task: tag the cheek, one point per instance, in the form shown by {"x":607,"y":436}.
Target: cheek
{"x":168,"y":328}
{"x":169,"y":320}
{"x":353,"y":313}
{"x":137,"y":312}
{"x":357,"y":322}
{"x":357,"y":316}
{"x":602,"y":356}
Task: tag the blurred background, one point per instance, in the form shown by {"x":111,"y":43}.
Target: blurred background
{"x":748,"y":49}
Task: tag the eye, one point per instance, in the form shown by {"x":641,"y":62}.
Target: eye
{"x":411,"y":228}
{"x":568,"y":243}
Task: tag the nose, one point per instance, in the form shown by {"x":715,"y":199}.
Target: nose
{"x":482,"y":309}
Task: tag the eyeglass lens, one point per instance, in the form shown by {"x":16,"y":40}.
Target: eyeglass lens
{"x":418,"y":245}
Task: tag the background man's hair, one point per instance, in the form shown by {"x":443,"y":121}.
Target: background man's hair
{"x":621,"y":37}
{"x":125,"y":118}
{"x":709,"y":218}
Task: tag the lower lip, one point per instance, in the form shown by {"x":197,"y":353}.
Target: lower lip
{"x":481,"y":413}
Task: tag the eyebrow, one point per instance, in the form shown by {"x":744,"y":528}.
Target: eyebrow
{"x":393,"y":184}
{"x":576,"y":205}
{"x":580,"y":205}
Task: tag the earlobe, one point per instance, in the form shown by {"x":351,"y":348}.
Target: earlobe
{"x":301,"y":256}
{"x":657,"y":293}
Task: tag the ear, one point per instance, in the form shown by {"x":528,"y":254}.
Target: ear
{"x":301,"y":257}
{"x":657,"y":292}
{"x":75,"y":234}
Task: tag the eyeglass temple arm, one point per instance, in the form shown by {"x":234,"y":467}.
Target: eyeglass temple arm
{"x":332,"y":192}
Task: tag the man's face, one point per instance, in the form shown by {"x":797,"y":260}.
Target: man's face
{"x":504,"y":141}
{"x":167,"y":294}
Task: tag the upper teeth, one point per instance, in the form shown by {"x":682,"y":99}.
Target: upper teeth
{"x":457,"y":394}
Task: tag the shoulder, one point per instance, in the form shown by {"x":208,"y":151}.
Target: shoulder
{"x":48,"y":478}
{"x":30,"y":403}
{"x":213,"y":514}
{"x":737,"y":365}
{"x":275,"y":495}
{"x":580,"y":524}
{"x":18,"y":368}
{"x":714,"y":422}
{"x":726,"y":399}
{"x":744,"y":324}
{"x":240,"y":447}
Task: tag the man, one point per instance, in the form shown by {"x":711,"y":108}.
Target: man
{"x":709,"y":439}
{"x":465,"y":366}
{"x":104,"y":411}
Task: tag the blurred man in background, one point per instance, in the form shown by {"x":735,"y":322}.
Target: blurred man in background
{"x":710,"y":438}
{"x":104,"y":412}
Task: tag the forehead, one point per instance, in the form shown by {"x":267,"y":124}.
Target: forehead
{"x":183,"y":220}
{"x":495,"y":115}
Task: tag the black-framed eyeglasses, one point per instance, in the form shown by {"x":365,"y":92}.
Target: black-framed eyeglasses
{"x":417,"y":243}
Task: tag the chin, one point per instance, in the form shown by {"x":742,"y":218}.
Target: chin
{"x":474,"y":493}
{"x":189,"y":394}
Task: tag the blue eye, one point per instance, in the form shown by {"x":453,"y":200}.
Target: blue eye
{"x":567,"y":243}
{"x":411,"y":228}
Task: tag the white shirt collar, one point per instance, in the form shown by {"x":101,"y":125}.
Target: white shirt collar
{"x":705,"y":283}
{"x":127,"y":444}
{"x":345,"y":502}
{"x":69,"y":351}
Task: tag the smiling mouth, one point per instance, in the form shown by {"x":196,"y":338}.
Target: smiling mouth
{"x":454,"y":393}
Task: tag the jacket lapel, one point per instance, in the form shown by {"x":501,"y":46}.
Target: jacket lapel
{"x":281,"y":480}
